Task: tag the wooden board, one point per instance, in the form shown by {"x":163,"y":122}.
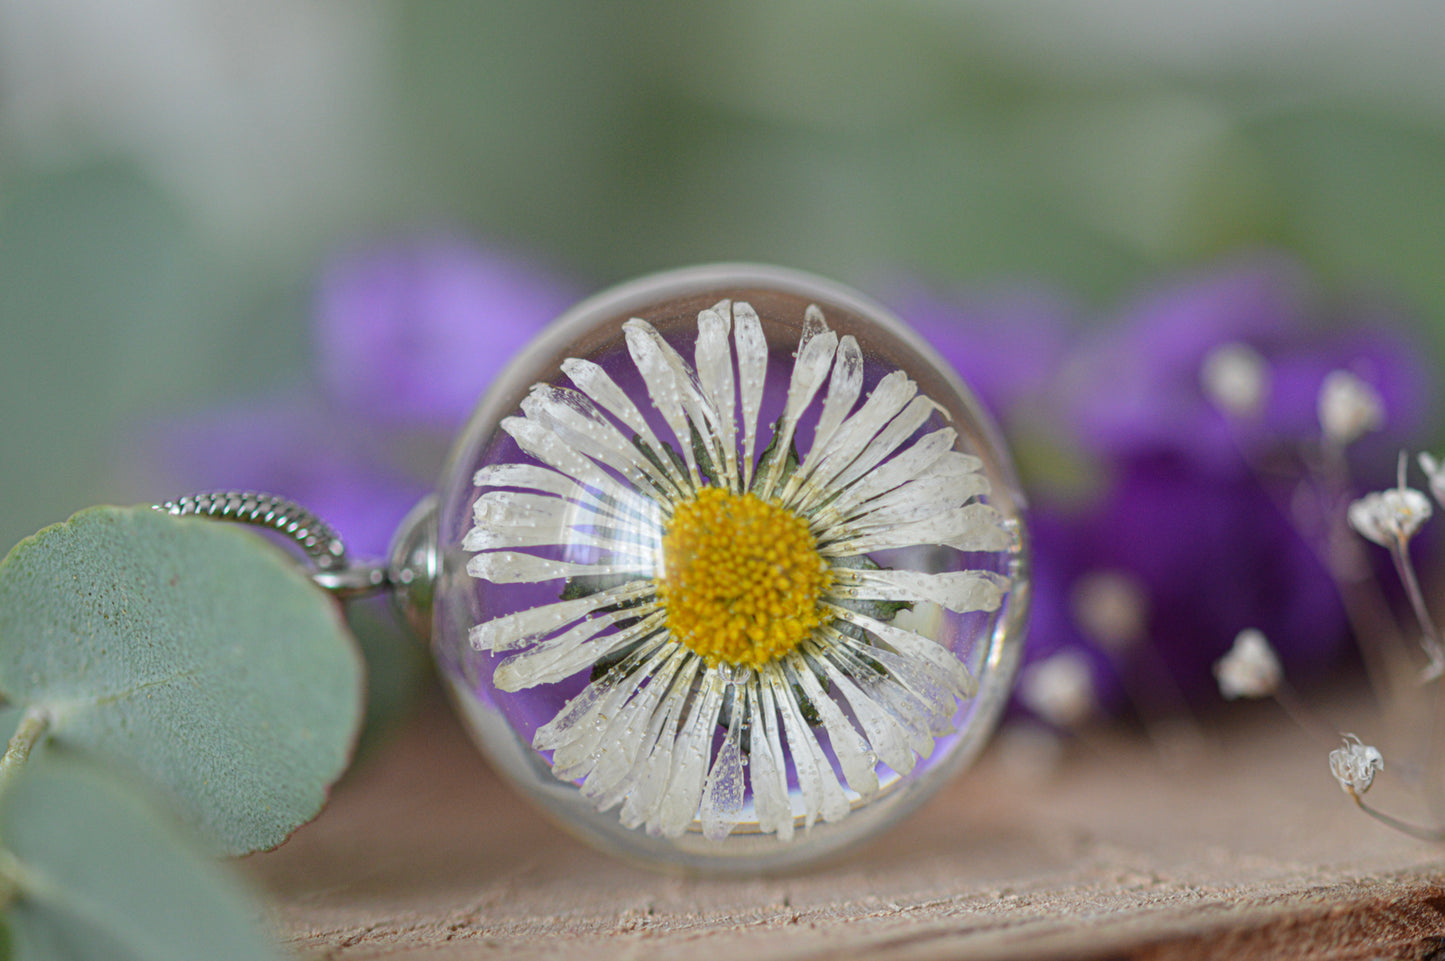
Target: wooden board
{"x":1241,"y":846}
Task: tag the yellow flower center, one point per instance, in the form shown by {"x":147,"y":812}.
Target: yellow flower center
{"x":740,"y":578}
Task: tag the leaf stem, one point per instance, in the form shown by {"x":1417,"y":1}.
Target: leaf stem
{"x":33,"y":725}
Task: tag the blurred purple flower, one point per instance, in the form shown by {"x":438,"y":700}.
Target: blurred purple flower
{"x":292,"y":446}
{"x":1152,"y":356}
{"x":409,"y":334}
{"x":1016,"y":342}
{"x":1178,"y":511}
{"x":414,"y":332}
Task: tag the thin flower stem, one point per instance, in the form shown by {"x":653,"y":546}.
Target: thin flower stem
{"x":1433,"y":835}
{"x":1435,"y":754}
{"x":1327,"y":478}
{"x":1370,"y":616}
{"x":33,"y":725}
{"x":1430,"y":641}
{"x":1304,"y":718}
{"x":1159,"y":698}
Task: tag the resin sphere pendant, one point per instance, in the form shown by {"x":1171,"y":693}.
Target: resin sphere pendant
{"x":729,"y":570}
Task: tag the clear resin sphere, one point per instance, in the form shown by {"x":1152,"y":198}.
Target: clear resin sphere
{"x":732,"y":570}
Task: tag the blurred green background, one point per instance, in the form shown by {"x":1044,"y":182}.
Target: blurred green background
{"x":173,"y":174}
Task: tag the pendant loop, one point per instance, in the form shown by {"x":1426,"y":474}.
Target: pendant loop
{"x":408,"y":573}
{"x":333,"y":571}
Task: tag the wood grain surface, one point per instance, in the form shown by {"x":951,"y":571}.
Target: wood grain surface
{"x":1239,"y":846}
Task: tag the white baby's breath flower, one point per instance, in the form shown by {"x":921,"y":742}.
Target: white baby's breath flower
{"x":1355,"y":765}
{"x":1235,"y":378}
{"x":1435,"y":474}
{"x":1111,"y":607}
{"x":1059,"y":689}
{"x":1390,"y":517}
{"x":1348,"y":408}
{"x":1250,"y":669}
{"x":710,"y":588}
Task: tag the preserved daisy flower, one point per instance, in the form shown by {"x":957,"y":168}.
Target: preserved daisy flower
{"x":761,"y":590}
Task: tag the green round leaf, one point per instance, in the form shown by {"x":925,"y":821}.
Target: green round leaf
{"x":98,"y":875}
{"x":191,"y":650}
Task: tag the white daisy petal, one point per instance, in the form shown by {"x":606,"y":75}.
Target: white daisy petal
{"x":913,"y":464}
{"x":843,"y":390}
{"x":514,"y":567}
{"x":958,"y":591}
{"x":934,"y":490}
{"x":715,"y":373}
{"x":822,"y":794}
{"x":884,"y":737}
{"x":769,"y":775}
{"x":663,"y":387}
{"x":915,"y":646}
{"x":621,"y":755}
{"x":573,"y":721}
{"x":576,"y":752}
{"x":930,"y":690}
{"x":820,"y":467}
{"x":909,"y":720}
{"x":573,"y":417}
{"x":543,"y":512}
{"x":815,"y":358}
{"x":595,"y":382}
{"x":696,"y":413}
{"x":955,"y":462}
{"x":551,"y":450}
{"x":849,"y":747}
{"x":700,"y":411}
{"x":515,"y":630}
{"x":578,"y":741}
{"x":653,"y":772}
{"x":616,"y":542}
{"x":752,"y":348}
{"x":722,"y":795}
{"x":901,"y":428}
{"x":547,"y":481}
{"x":678,"y":805}
{"x":588,"y":627}
{"x":976,"y":527}
{"x":571,"y":653}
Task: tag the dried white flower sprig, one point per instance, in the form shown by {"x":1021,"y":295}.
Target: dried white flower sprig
{"x":1391,"y":518}
{"x":1324,"y":511}
{"x":1354,"y":765}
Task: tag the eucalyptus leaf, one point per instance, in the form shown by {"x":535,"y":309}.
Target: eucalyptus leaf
{"x":97,"y":874}
{"x":192,"y":651}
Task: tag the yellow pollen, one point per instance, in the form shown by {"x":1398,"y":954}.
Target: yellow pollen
{"x":741,"y":578}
